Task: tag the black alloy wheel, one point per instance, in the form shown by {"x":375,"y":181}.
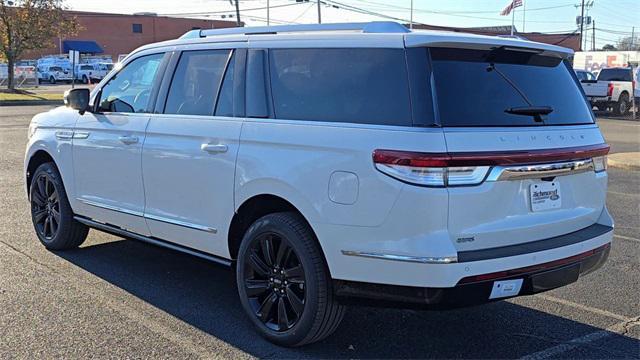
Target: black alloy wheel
{"x":45,"y":206}
{"x":274,"y":281}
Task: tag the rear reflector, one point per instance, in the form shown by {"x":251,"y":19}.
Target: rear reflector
{"x":450,"y":169}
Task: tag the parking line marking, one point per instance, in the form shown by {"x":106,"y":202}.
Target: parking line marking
{"x":626,"y":238}
{"x":622,"y":194}
{"x":584,"y":307}
{"x":620,"y":328}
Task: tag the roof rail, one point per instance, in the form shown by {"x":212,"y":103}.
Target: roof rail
{"x":368,"y":27}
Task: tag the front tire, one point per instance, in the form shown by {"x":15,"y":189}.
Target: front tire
{"x":51,"y":213}
{"x":52,"y":80}
{"x":283,"y":282}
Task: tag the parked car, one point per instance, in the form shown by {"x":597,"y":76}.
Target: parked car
{"x":54,"y":73}
{"x":92,"y":71}
{"x":584,"y":75}
{"x":612,"y":89}
{"x":332,"y":167}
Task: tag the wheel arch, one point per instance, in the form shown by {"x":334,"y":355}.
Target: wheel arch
{"x":36,"y":159}
{"x":254,"y":208}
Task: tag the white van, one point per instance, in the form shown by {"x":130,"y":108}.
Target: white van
{"x":335,"y":164}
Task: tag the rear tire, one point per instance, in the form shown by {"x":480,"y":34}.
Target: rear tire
{"x":283,"y":281}
{"x":51,"y":213}
{"x":622,"y":106}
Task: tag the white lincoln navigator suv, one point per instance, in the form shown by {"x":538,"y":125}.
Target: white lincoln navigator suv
{"x":335,"y":164}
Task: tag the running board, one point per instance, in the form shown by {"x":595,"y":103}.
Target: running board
{"x":114,"y":230}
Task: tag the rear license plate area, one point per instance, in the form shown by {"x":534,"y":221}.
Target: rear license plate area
{"x":545,"y":195}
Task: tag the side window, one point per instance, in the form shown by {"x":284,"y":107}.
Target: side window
{"x":225,"y":98}
{"x":356,"y":85}
{"x":196,"y":81}
{"x":129,"y":90}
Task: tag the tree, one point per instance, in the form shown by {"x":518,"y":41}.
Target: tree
{"x":31,"y":25}
{"x":609,"y":47}
{"x":629,"y":44}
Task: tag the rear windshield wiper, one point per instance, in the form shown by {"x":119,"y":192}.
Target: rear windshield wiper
{"x":536,"y":111}
{"x":529,"y":110}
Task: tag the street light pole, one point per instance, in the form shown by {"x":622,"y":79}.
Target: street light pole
{"x":319,"y":13}
{"x":582,"y":24}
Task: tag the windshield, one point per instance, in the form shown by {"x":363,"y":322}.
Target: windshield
{"x":505,"y":88}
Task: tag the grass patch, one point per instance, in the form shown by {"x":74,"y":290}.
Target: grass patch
{"x":28,"y":96}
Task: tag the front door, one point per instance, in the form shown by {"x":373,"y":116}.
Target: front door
{"x":107,"y":147}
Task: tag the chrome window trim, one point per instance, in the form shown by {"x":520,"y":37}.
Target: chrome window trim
{"x":537,"y":171}
{"x":403,"y":258}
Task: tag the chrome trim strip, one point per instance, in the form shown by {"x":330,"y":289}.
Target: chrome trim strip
{"x":181,"y":223}
{"x":404,"y":258}
{"x":110,"y":207}
{"x":148,"y":216}
{"x":500,"y":173}
{"x":159,"y":242}
{"x":64,"y":135}
{"x":81,"y":135}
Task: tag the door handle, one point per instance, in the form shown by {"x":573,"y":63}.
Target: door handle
{"x":128,"y":139}
{"x":214,"y":148}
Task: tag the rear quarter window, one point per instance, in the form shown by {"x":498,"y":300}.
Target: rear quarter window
{"x":358,"y":85}
{"x":469,"y":93}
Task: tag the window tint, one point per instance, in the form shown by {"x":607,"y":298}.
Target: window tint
{"x":225,"y":98}
{"x":344,"y":85}
{"x":130,"y":89}
{"x":471,"y":93}
{"x":615,"y":75}
{"x":196,"y":81}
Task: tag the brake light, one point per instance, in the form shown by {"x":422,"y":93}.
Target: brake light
{"x":610,"y":89}
{"x":456,"y":169}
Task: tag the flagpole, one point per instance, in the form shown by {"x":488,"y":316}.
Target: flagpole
{"x":513,"y":19}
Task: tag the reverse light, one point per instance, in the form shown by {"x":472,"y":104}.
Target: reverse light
{"x":600,"y":163}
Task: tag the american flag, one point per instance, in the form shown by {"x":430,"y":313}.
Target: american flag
{"x":514,"y":4}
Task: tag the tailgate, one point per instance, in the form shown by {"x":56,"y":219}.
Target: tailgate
{"x":516,"y":203}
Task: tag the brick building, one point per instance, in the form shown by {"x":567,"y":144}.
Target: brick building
{"x":119,"y":34}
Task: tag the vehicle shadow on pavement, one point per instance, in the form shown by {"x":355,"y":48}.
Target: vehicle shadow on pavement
{"x":203,"y":295}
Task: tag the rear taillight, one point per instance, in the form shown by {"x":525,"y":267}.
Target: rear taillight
{"x":610,"y":89}
{"x":460,"y":169}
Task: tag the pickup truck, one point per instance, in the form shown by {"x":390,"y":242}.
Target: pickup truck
{"x":613,"y":88}
{"x":92,"y":72}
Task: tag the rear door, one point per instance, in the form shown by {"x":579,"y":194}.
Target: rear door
{"x":522,"y":117}
{"x":188,"y":159}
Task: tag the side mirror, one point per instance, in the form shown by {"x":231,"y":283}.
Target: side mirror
{"x":77,"y":99}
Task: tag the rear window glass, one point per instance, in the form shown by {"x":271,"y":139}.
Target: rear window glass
{"x":357,"y":85}
{"x":615,"y":75}
{"x":470,"y":92}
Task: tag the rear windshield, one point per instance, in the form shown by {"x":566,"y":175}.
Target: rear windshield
{"x":477,"y":87}
{"x":615,"y":75}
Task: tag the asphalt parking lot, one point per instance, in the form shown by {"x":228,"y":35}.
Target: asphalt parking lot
{"x":121,"y":298}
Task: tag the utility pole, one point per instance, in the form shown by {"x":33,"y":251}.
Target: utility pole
{"x":593,"y":35}
{"x":319,"y":13}
{"x":238,"y":22}
{"x":581,"y":23}
{"x":268,"y":13}
{"x":633,"y":35}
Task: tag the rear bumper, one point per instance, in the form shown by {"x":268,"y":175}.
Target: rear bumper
{"x":475,"y":289}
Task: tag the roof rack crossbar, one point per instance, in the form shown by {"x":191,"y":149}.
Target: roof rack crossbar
{"x":368,"y":27}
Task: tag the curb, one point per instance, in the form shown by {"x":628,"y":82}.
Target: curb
{"x":30,"y":102}
{"x":625,"y":161}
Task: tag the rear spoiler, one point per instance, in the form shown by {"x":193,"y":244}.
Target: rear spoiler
{"x":479,"y":42}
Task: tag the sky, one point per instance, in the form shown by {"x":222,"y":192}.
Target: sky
{"x":613,"y":18}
